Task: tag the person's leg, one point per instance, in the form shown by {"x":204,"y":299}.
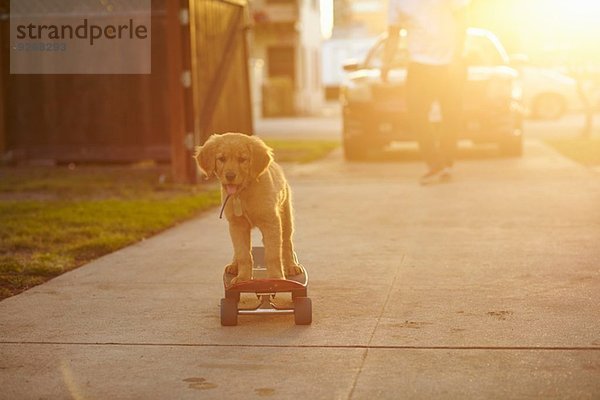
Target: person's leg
{"x":451,"y":104}
{"x":419,"y":97}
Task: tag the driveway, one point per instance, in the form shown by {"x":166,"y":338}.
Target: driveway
{"x":485,"y":287}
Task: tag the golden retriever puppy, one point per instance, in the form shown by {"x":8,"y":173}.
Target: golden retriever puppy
{"x":256,"y":194}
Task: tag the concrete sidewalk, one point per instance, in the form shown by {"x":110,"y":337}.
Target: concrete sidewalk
{"x":486,"y":287}
{"x":315,"y":128}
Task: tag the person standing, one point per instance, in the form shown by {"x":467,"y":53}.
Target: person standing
{"x":436,"y":32}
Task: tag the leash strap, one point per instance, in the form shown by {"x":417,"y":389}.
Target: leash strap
{"x":224,"y":204}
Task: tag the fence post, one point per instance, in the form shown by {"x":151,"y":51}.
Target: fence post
{"x":176,"y":81}
{"x":3,"y":130}
{"x":3,"y":93}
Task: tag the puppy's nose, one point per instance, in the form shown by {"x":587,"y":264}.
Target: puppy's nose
{"x":230,"y":176}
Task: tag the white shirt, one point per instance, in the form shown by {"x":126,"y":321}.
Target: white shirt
{"x":431,"y":25}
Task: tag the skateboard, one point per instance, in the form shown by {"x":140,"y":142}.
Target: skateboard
{"x":266,"y":289}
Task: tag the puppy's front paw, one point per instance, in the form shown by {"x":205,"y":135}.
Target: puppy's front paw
{"x":293,"y":270}
{"x":232,"y":269}
{"x":276,"y":276}
{"x":241,"y":278}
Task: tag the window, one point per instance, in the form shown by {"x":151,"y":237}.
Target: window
{"x":479,"y":50}
{"x":375,"y":56}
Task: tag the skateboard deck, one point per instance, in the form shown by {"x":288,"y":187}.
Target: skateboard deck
{"x":265,"y":289}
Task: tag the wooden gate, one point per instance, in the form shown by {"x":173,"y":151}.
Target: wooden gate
{"x":219,"y":51}
{"x":214,"y":70}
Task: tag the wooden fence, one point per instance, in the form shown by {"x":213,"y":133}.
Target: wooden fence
{"x":198,"y":85}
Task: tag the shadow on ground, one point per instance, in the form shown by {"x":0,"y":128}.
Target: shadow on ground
{"x":412,"y":154}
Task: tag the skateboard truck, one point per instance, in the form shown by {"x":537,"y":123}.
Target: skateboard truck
{"x":265,"y":290}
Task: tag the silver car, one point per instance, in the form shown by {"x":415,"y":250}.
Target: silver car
{"x":374,"y":113}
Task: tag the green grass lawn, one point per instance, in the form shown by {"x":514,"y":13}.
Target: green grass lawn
{"x":583,"y":150}
{"x":302,"y":151}
{"x":54,"y":219}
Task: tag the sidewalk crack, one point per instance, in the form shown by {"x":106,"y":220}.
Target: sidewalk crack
{"x":387,"y":300}
{"x":366,"y":351}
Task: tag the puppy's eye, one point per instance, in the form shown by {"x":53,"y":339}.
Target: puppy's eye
{"x":242,"y":160}
{"x":221,"y":159}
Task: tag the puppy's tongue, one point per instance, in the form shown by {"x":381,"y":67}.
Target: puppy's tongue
{"x":231,"y":189}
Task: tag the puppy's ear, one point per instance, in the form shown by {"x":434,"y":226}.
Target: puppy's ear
{"x":262,"y":156}
{"x":205,"y":155}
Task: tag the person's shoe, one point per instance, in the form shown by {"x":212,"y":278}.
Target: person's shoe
{"x":431,"y":176}
{"x":446,"y":174}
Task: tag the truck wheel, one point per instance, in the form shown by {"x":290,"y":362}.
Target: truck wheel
{"x":512,"y":146}
{"x":355,"y":150}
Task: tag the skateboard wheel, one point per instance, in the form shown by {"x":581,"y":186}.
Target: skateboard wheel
{"x":299,"y":293}
{"x":229,"y":312}
{"x":302,"y":311}
{"x":232,"y":295}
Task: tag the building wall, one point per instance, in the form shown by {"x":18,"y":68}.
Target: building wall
{"x":309,"y":89}
{"x":371,"y":15}
{"x":283,"y":24}
{"x":275,"y":93}
{"x":359,"y":18}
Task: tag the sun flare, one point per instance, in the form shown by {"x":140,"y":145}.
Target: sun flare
{"x":543,"y":26}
